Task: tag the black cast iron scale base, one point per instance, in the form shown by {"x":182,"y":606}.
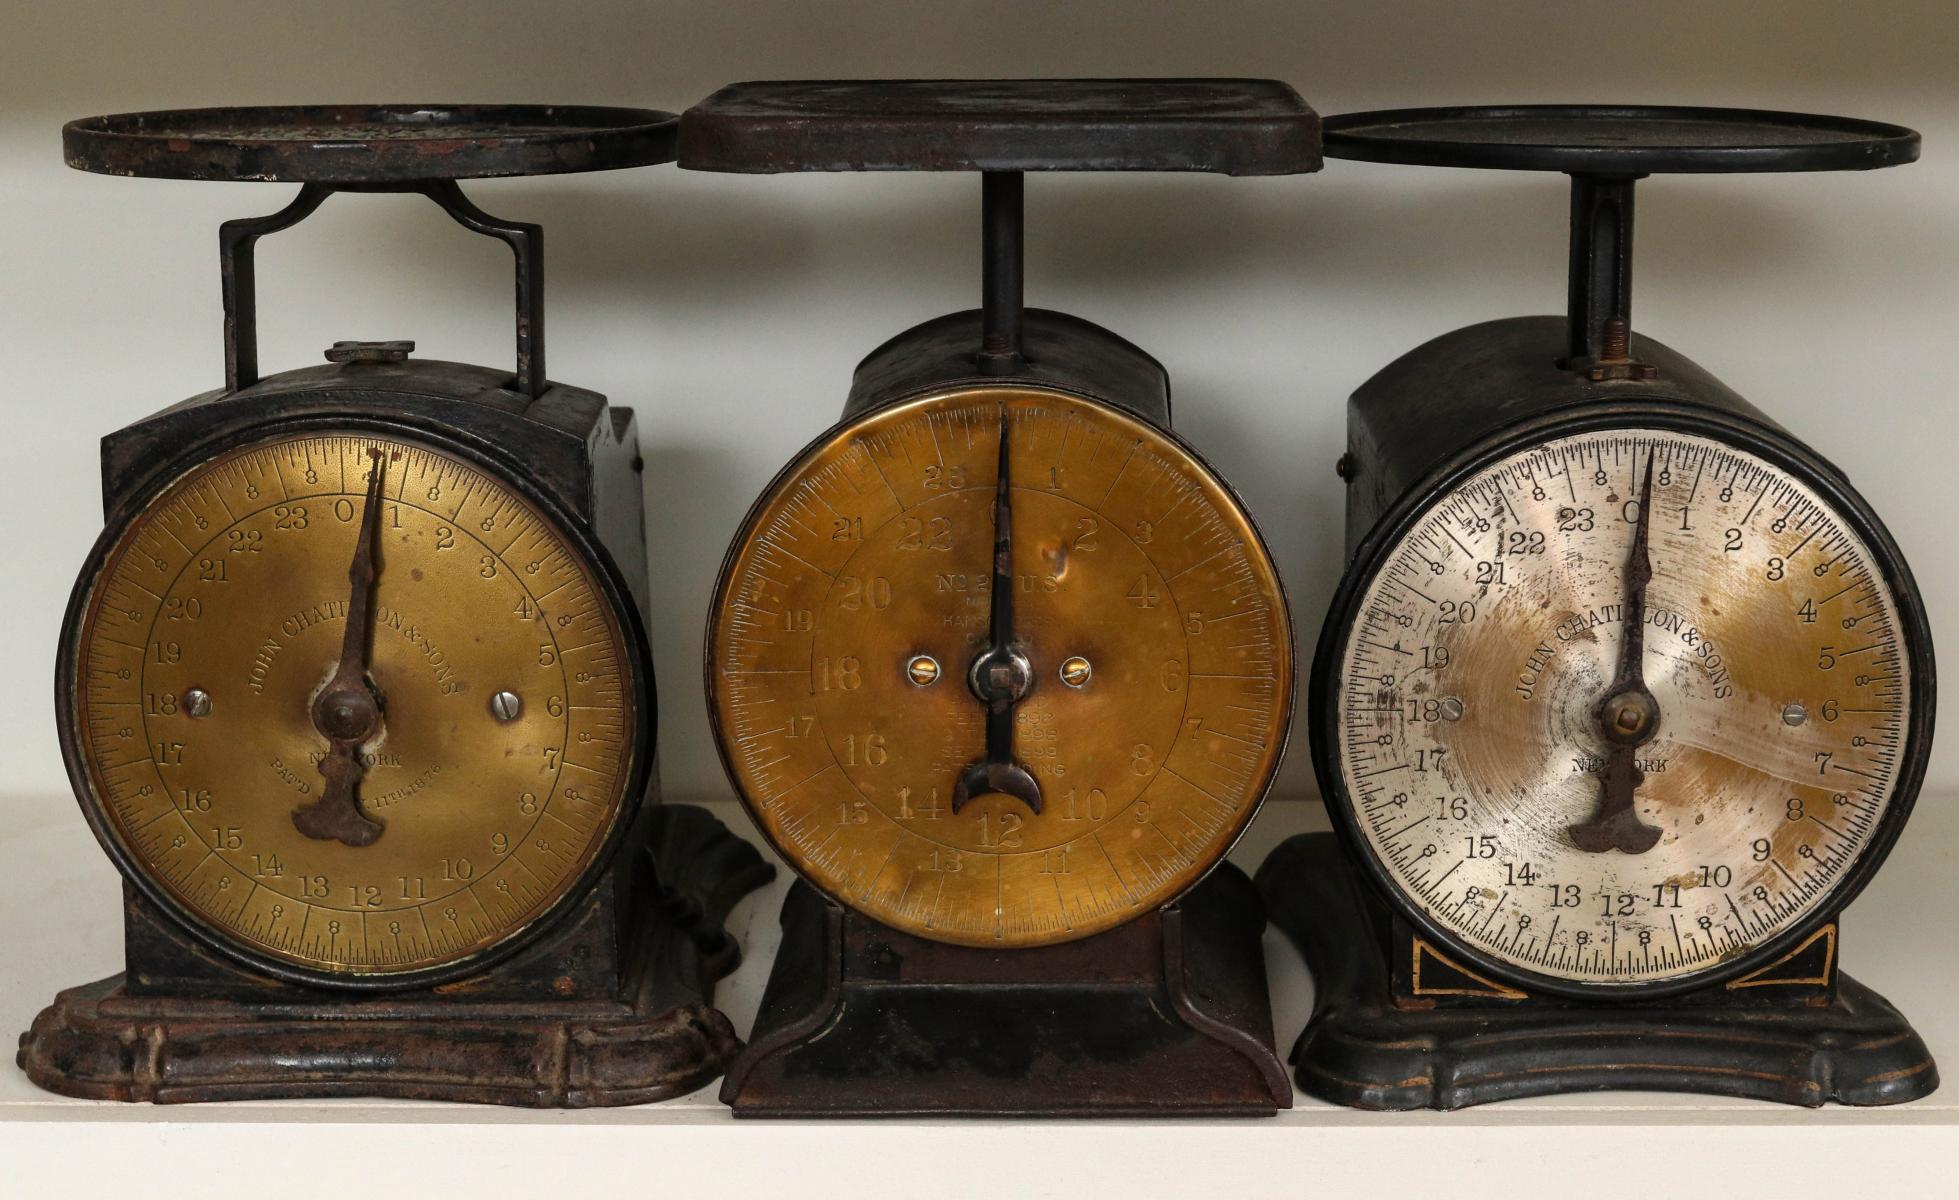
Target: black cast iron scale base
{"x":1165,"y":1016}
{"x":1371,"y":1044}
{"x":490,"y":1040}
{"x":99,"y":1042}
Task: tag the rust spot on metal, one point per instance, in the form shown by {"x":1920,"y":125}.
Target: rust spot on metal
{"x":369,"y":144}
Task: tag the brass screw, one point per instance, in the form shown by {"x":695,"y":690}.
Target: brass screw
{"x":1615,"y":340}
{"x":1075,"y":671}
{"x":923,"y":670}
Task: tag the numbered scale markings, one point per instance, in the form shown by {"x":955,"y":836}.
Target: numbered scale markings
{"x":504,"y":740}
{"x":1147,"y":620}
{"x":1473,"y":675}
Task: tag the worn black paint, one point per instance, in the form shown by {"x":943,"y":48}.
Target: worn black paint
{"x":1232,"y":126}
{"x":605,"y":999}
{"x":1168,"y":1014}
{"x":1417,"y":430}
{"x":611,"y":1008}
{"x":353,"y":144}
{"x":1371,"y":1045}
{"x":1164,"y":1016}
{"x":1442,"y":413}
{"x":1626,"y":140}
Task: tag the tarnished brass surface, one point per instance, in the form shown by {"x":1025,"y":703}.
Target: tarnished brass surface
{"x":876,"y":548}
{"x":1472,"y":706}
{"x":234,"y":583}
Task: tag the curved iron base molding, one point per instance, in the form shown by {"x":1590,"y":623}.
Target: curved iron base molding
{"x":532,"y":1031}
{"x":1372,"y":1043}
{"x":100,"y":1043}
{"x":1164,"y":1016}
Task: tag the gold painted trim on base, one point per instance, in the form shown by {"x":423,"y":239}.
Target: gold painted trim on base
{"x":1754,"y":978}
{"x":1490,"y":987}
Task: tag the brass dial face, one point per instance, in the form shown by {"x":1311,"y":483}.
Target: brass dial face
{"x":491,"y":694}
{"x":1607,"y":727}
{"x":1147,"y":667}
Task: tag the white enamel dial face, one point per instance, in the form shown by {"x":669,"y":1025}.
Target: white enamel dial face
{"x":1472,"y":751}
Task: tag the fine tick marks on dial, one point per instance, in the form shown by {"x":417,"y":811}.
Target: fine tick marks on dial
{"x":254,"y":601}
{"x":1047,"y":534}
{"x":1619,"y":735}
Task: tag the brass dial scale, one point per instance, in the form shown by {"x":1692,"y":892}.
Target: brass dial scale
{"x":998,"y":664}
{"x":355,"y":692}
{"x":1625,"y":695}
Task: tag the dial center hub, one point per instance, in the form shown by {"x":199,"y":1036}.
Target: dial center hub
{"x":242,"y":576}
{"x":347,"y":714}
{"x":1000,"y":675}
{"x":1565,"y":707}
{"x":1630,"y":718}
{"x":1054,"y":808}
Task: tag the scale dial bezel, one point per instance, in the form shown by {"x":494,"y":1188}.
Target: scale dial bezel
{"x":1629,"y":412}
{"x":1286,"y":691}
{"x":608,"y":580}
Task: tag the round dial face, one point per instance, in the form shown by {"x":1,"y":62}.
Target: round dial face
{"x":1622,"y":707}
{"x":1000,"y":716}
{"x":353,"y":726}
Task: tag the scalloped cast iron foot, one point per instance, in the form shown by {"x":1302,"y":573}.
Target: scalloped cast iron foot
{"x":1363,"y":1049}
{"x":100,"y":1043}
{"x":521,"y":1034}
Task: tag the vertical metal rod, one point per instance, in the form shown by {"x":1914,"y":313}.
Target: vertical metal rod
{"x":1601,"y":261}
{"x":1002,"y":270}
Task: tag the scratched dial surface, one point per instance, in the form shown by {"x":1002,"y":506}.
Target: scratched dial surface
{"x":857,"y":596}
{"x":1471,"y":675}
{"x":220,"y":612}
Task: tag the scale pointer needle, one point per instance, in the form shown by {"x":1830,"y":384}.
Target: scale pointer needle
{"x":1628,"y":716}
{"x":1000,"y":675}
{"x":347,"y":712}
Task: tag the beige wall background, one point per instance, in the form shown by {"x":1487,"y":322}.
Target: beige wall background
{"x":730,"y":311}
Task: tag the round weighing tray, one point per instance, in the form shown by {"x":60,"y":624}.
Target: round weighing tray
{"x":1618,"y":140}
{"x":369,"y":144}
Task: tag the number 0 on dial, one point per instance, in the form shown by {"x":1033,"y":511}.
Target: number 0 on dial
{"x":1621,"y":708}
{"x":493,"y":760}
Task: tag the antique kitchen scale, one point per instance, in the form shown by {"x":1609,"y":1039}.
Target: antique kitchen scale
{"x":998,"y":664}
{"x":1625,"y":694}
{"x":354,"y":688}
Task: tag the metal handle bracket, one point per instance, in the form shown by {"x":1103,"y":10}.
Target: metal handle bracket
{"x":237,"y":261}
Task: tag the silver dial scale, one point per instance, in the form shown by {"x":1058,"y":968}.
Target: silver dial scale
{"x":1624,"y":696}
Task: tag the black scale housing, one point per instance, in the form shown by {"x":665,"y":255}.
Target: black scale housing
{"x":1164,"y":1016}
{"x":604,"y":1000}
{"x":1404,"y":1018}
{"x":1167,"y":1015}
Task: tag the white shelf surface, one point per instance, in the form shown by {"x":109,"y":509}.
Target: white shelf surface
{"x":59,"y":900}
